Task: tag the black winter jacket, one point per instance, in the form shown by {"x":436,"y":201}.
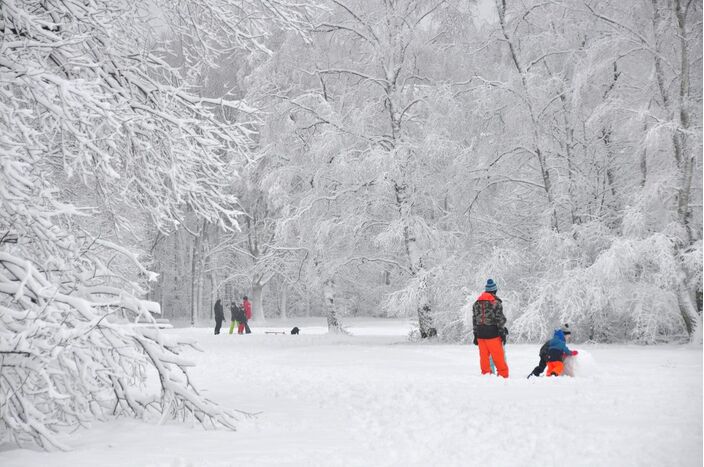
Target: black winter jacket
{"x":219,"y":315}
{"x":488,"y":318}
{"x":237,"y":314}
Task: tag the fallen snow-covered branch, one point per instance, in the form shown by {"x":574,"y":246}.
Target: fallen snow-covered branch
{"x":65,"y":359}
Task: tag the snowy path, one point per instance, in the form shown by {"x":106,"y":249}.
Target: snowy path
{"x":374,"y":400}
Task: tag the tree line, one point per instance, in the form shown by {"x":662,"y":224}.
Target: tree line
{"x":409,"y":150}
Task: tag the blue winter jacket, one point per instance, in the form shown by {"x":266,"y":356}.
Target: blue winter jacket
{"x":558,"y":343}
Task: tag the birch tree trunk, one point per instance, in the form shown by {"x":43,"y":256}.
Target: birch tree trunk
{"x":417,"y":270}
{"x":330,"y":311}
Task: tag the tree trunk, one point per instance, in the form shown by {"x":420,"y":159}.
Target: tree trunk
{"x":685,"y":183}
{"x":210,"y":289}
{"x":540,"y":156}
{"x":644,"y":159}
{"x":283,"y":301}
{"x":425,"y":319}
{"x":206,"y":277}
{"x":330,"y":312}
{"x":614,"y":220}
{"x":257,"y":302}
{"x":200,"y":272}
{"x":199,"y":295}
{"x":687,"y":310}
{"x":177,"y":287}
{"x":194,"y":294}
{"x":678,"y":110}
{"x":696,"y":337}
{"x":415,"y":260}
{"x":680,"y":138}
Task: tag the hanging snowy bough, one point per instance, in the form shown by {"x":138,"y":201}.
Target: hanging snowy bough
{"x":66,"y":359}
{"x":629,"y":293}
{"x":101,"y":133}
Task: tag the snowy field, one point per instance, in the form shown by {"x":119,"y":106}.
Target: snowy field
{"x":373,"y":399}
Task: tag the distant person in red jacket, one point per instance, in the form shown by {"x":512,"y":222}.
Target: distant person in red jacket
{"x":243,"y":326}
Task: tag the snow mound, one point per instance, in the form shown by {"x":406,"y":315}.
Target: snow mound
{"x":582,"y":365}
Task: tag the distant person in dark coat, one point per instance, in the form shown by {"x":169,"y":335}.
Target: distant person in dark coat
{"x":219,"y":316}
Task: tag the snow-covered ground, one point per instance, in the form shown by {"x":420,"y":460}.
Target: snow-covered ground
{"x":373,"y":399}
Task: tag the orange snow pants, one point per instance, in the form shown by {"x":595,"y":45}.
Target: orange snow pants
{"x":555,"y":368}
{"x":492,"y":348}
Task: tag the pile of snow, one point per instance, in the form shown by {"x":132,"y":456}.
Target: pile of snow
{"x":583,"y":365}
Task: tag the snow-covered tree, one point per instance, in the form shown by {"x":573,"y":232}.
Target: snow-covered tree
{"x":606,"y":138}
{"x":102,"y":139}
{"x":359,"y":116}
{"x":520,"y":142}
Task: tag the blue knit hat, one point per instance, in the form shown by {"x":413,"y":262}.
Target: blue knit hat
{"x":490,"y":285}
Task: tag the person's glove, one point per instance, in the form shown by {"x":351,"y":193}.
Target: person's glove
{"x":574,"y":353}
{"x":474,"y":341}
{"x":503,"y":334}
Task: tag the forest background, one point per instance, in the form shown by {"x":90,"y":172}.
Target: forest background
{"x":345,"y":158}
{"x":407,"y":151}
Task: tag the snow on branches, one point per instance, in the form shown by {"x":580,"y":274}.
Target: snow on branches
{"x":96,"y":121}
{"x":83,"y":87}
{"x":630,"y":292}
{"x":67,"y":357}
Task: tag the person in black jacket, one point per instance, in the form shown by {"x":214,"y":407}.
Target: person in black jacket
{"x":239,"y":315}
{"x":543,"y":354}
{"x":219,"y":316}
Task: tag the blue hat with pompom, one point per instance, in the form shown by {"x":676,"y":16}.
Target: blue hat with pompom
{"x":490,"y":286}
